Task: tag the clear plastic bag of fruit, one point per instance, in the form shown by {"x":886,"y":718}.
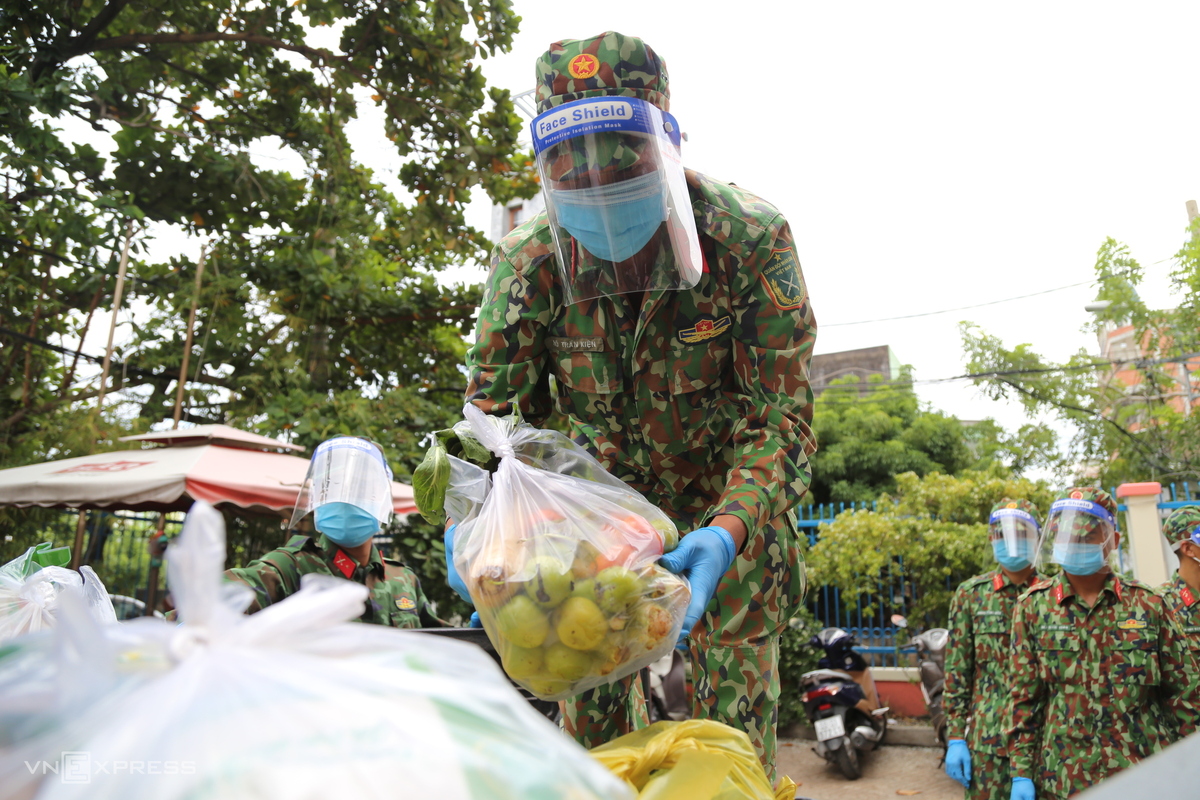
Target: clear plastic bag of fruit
{"x":560,"y":559}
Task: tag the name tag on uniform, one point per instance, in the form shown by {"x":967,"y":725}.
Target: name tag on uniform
{"x":1056,"y":627}
{"x":568,"y":344}
{"x":989,"y":614}
{"x":1191,"y":630}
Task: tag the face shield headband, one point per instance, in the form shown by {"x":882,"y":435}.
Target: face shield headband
{"x":1193,"y":537}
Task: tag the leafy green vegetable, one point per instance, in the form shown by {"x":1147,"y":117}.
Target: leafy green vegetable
{"x":430,"y":480}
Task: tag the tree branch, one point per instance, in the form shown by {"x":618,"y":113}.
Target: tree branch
{"x":314,"y":54}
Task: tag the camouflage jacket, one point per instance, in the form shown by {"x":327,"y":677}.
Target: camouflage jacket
{"x":1184,"y":607}
{"x":1094,"y":690}
{"x":396,"y":598}
{"x":977,"y":657}
{"x":698,"y":398}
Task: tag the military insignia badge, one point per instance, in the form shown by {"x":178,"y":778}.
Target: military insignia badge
{"x":781,"y":276}
{"x":1131,"y":625}
{"x":705,"y":329}
{"x":1076,"y":495}
{"x":405,"y":603}
{"x":583,"y":65}
{"x":1011,"y":505}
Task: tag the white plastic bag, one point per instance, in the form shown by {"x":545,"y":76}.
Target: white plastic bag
{"x":560,"y":558}
{"x":30,"y":586}
{"x":293,"y":702}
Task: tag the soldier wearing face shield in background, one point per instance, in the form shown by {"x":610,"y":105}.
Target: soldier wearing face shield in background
{"x":1182,"y":595}
{"x":665,"y":315}
{"x":978,"y":653}
{"x":348,"y":492}
{"x":1101,"y":678}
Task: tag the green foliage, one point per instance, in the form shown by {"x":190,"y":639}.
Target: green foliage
{"x":1129,"y":416}
{"x":867,"y":438}
{"x":319,"y":311}
{"x":932,"y":533}
{"x":796,"y":657}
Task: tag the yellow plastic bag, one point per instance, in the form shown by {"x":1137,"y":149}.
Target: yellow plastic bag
{"x":696,"y":759}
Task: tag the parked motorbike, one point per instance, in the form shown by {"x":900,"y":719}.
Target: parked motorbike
{"x":931,"y":663}
{"x":841,"y":702}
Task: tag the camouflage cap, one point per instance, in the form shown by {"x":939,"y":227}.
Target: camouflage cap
{"x":1084,"y":523}
{"x":1092,"y":494}
{"x":608,"y":65}
{"x":1179,"y":526}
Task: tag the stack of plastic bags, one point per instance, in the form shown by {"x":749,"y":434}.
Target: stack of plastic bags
{"x":559,"y":556}
{"x":295,"y":701}
{"x":31,"y":585}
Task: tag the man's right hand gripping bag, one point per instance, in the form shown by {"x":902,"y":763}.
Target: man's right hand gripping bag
{"x":560,"y":559}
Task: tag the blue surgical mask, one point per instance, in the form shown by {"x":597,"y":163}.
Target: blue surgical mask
{"x":1078,"y":558}
{"x":615,"y":221}
{"x":1012,"y":563}
{"x":345,"y":524}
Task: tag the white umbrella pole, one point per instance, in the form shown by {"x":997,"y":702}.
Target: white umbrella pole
{"x":187,"y":347}
{"x":77,"y":550}
{"x":112,"y":327}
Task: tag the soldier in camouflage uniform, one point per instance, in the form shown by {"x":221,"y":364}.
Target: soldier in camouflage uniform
{"x":396,"y":599}
{"x":696,"y":397}
{"x":1182,"y":595}
{"x":977,"y":656}
{"x":348,"y":490}
{"x":1100,"y":676}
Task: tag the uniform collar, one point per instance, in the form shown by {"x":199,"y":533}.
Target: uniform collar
{"x":1000,"y":581}
{"x":1060,"y":588}
{"x":1185,"y":592}
{"x":342,"y":564}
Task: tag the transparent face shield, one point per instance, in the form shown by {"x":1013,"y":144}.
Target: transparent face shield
{"x":1014,"y":536}
{"x":1080,"y":536}
{"x":616,"y":198}
{"x":347,"y":470}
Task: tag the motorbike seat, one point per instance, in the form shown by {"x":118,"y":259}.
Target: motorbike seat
{"x":823,"y":675}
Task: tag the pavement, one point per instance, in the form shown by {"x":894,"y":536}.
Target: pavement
{"x":889,"y":772}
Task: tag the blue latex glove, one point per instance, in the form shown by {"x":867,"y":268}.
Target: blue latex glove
{"x":456,"y":583}
{"x":703,"y":556}
{"x":1022,"y":789}
{"x":476,"y":622}
{"x":958,"y":761}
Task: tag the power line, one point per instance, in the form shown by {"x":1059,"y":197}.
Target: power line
{"x":949,"y":310}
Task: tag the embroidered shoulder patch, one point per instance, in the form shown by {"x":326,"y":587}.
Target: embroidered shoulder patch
{"x":405,"y":603}
{"x":781,"y":276}
{"x":705,"y":329}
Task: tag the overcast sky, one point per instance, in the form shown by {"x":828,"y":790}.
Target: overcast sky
{"x":930,"y":155}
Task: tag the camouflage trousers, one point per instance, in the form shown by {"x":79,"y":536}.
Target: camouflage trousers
{"x":734,"y":652}
{"x":991,"y":778}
